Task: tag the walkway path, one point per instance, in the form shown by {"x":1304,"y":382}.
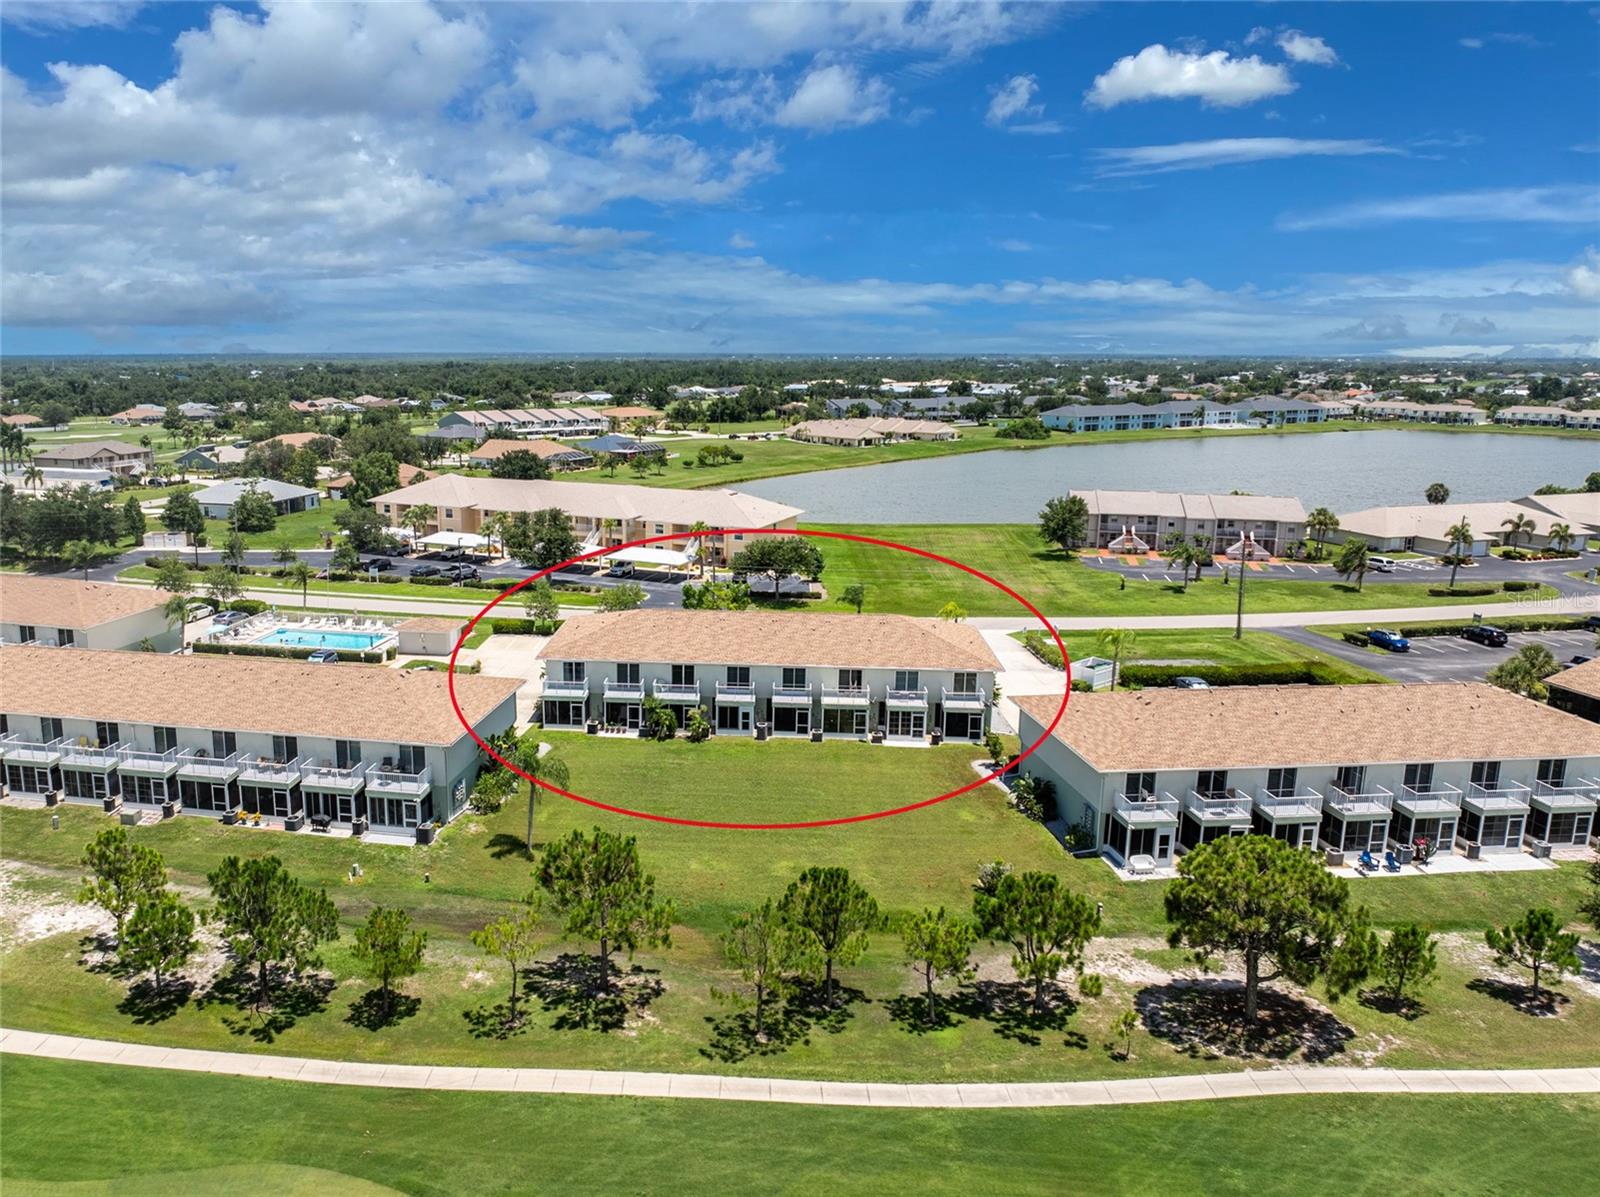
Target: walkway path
{"x":1264,"y":1083}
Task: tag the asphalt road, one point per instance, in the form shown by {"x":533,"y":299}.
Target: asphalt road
{"x":1447,"y":658}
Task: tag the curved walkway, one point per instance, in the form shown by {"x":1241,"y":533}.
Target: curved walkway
{"x":1026,"y":1095}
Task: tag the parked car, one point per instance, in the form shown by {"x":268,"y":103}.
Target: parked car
{"x":426,"y":571}
{"x":226,"y":619}
{"x":197,"y":612}
{"x":1190,"y":682}
{"x":1592,"y":623}
{"x":1382,"y":565}
{"x":323,"y":656}
{"x":622,"y":569}
{"x":1579,"y":659}
{"x":1483,"y":633}
{"x":1389,"y":639}
{"x":459,"y":573}
{"x":378,"y":563}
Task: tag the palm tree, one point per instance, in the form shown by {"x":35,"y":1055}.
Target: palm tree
{"x":1353,"y":561}
{"x":1113,"y":643}
{"x":1561,"y":537}
{"x":1517,"y":525}
{"x":1181,"y":553}
{"x":176,"y":611}
{"x":300,"y":574}
{"x":700,"y":544}
{"x":1437,"y":493}
{"x":418,"y":517}
{"x":81,"y":554}
{"x":32,"y":476}
{"x":493,"y":528}
{"x":1320,"y":523}
{"x":1460,"y":538}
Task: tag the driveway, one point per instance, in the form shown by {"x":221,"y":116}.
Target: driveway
{"x":1446,"y":658}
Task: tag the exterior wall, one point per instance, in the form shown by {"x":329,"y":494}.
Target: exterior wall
{"x":425,"y":643}
{"x":1574,"y":703}
{"x":126,"y":633}
{"x":1157,"y":530}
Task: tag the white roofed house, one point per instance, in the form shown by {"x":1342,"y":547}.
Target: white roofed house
{"x":755,"y":672}
{"x":216,"y":502}
{"x":1424,"y":528}
{"x":602,"y":514}
{"x":1127,"y":521}
{"x":355,"y":746}
{"x":1467,"y":766}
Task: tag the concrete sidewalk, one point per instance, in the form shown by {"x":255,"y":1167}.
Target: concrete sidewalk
{"x":1031,"y":1095}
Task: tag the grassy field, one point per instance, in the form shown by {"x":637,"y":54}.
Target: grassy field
{"x":470,"y":598}
{"x":670,"y":1019}
{"x":1063,"y":588}
{"x":1215,"y":646}
{"x":303,"y":1139}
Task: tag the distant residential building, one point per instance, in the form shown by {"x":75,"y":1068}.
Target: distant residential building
{"x":300,"y":440}
{"x":1424,"y":528}
{"x":1577,"y":690}
{"x":626,"y":447}
{"x":534,"y":421}
{"x":20,"y":420}
{"x":144,"y":413}
{"x":407,"y":473}
{"x":115,"y":457}
{"x":553,"y":453}
{"x":214,"y":458}
{"x":61,"y":612}
{"x":627,"y":414}
{"x":1231,"y":525}
{"x":216,"y":502}
{"x":1536,"y":415}
{"x":871,"y":431}
{"x":54,"y":477}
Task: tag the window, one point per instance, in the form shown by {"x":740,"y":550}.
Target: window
{"x":50,"y":728}
{"x":449,"y":513}
{"x":166,"y":738}
{"x":794,"y":678}
{"x":572,"y":671}
{"x":64,"y":637}
{"x":413,"y":758}
{"x":906,"y":679}
{"x":1138,"y":784}
{"x":965,"y":683}
{"x":1212,"y":782}
{"x":628,"y":673}
{"x":1419,"y":777}
{"x":25,"y":633}
{"x":1553,"y":771}
{"x":1282,"y":781}
{"x":738,"y":675}
{"x":224,"y":743}
{"x":683,"y":675}
{"x":1350,"y":778}
{"x":107,"y":733}
{"x":285,"y":748}
{"x":346,"y":753}
{"x":1486,"y":774}
{"x":849,"y":679}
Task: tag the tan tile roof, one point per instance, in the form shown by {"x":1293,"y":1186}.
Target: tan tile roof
{"x":298,"y":440}
{"x":1194,"y":507}
{"x":66,"y":603}
{"x":625,"y":412}
{"x":82,"y":450}
{"x":21,"y":420}
{"x":595,"y":500}
{"x":754,"y":637}
{"x":253,"y":694}
{"x":493,"y":449}
{"x":430,"y":623}
{"x":1245,"y":727}
{"x":1580,"y":679}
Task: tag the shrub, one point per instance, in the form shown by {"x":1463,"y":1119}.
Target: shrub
{"x":1082,"y":687}
{"x":286,"y":652}
{"x":1284,"y":673}
{"x":248,"y":606}
{"x":1043,"y":647}
{"x":696,"y":728}
{"x":1474,"y":591}
{"x":1519,"y":585}
{"x":1509,"y":623}
{"x":521,"y":627}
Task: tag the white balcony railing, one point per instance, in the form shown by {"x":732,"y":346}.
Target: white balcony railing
{"x":846,"y":696}
{"x":965,"y":700}
{"x":393,"y":781}
{"x":908,"y":698}
{"x":147,"y":762}
{"x":677,"y":691}
{"x":201,"y":764}
{"x":1229,"y":807}
{"x":33,"y":752}
{"x":1372,"y":801}
{"x":792,"y":695}
{"x":1423,"y":803}
{"x":1576,"y":795}
{"x":624,"y":691}
{"x":1507,"y":797}
{"x":269,"y":772}
{"x":341,"y":779}
{"x":735,"y":692}
{"x":555,"y":687}
{"x":91,"y":756}
{"x":1301,"y":803}
{"x":1146,"y":807}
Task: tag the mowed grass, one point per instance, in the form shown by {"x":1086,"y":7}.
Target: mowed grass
{"x":253,"y":1137}
{"x":927,"y":857}
{"x":471,"y":598}
{"x":1063,"y":587}
{"x":1214,"y":646}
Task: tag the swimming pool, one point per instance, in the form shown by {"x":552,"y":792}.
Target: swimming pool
{"x":350,"y":641}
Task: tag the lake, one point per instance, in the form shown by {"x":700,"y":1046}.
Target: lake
{"x":1347,"y":471}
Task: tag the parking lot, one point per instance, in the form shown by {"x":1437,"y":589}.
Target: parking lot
{"x":1447,"y":658}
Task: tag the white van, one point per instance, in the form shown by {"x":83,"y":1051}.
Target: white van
{"x":1382,"y":565}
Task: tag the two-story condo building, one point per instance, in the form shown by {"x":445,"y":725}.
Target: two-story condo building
{"x":115,"y":457}
{"x":1469,"y":766}
{"x":603,"y":514}
{"x":1577,"y":690}
{"x":530,"y":421}
{"x":889,"y":677}
{"x":1138,"y":521}
{"x":346,"y":744}
{"x":1425,"y":528}
{"x":63,"y":613}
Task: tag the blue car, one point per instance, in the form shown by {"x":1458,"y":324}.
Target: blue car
{"x":1393,"y":641}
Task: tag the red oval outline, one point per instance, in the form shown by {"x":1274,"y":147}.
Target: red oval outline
{"x":846,"y":819}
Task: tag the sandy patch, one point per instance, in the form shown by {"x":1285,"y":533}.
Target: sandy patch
{"x":27,"y":915}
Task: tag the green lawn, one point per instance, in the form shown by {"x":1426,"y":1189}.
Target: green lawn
{"x":251,"y":1137}
{"x":303,"y":529}
{"x":1062,"y":588}
{"x":926,"y":857}
{"x":1215,"y":646}
{"x":470,"y":598}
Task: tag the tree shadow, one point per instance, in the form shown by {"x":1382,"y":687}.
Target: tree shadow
{"x":147,"y":1003}
{"x":494,"y":1021}
{"x":1383,"y":1001}
{"x":733,"y":1036}
{"x":583,"y":998}
{"x":371,"y":1013}
{"x":1204,"y":1018}
{"x":503,"y":844}
{"x":1009,"y":1007}
{"x":290,"y":998}
{"x":1519,"y":996}
{"x":910,"y":1011}
{"x":98,"y":954}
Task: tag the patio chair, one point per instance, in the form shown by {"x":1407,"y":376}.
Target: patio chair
{"x":1365,"y":863}
{"x":1391,"y":862}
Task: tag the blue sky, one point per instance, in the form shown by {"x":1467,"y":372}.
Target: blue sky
{"x":1419,"y":179}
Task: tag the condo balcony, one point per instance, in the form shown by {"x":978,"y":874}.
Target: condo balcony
{"x":1229,"y":807}
{"x":677,"y":691}
{"x":198,"y":764}
{"x":624,"y":691}
{"x":555,"y":687}
{"x":1300,"y":803}
{"x":846,"y":696}
{"x":146,"y":762}
{"x":792,"y":696}
{"x":736,"y":693}
{"x":1371,"y":802}
{"x":908,"y":699}
{"x":1502,"y":798}
{"x":1428,"y":802}
{"x":264,"y":772}
{"x":1145,"y":808}
{"x":965,"y":700}
{"x":91,"y":756}
{"x":15,"y":749}
{"x":339,"y":779}
{"x":396,"y":783}
{"x":1577,"y":795}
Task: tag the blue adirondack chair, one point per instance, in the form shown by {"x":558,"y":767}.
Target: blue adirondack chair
{"x":1365,"y":859}
{"x":1391,"y":862}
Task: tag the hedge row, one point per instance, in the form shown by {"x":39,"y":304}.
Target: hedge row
{"x":523,"y":627}
{"x":1043,"y":647}
{"x":287,"y":653}
{"x":1282,"y":673}
{"x":1510,"y":623}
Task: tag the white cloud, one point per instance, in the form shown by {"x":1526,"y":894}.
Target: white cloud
{"x":1217,"y":78}
{"x":43,"y":16}
{"x":1456,"y":325}
{"x":829,"y":97}
{"x":1014,"y":99}
{"x":1228,"y":151}
{"x":601,"y":87}
{"x":1565,"y":204}
{"x":740,"y":241}
{"x":1373,"y":328}
{"x":1302,"y":47}
{"x":1583,"y":278}
{"x":1506,"y":39}
{"x":1014,"y":245}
